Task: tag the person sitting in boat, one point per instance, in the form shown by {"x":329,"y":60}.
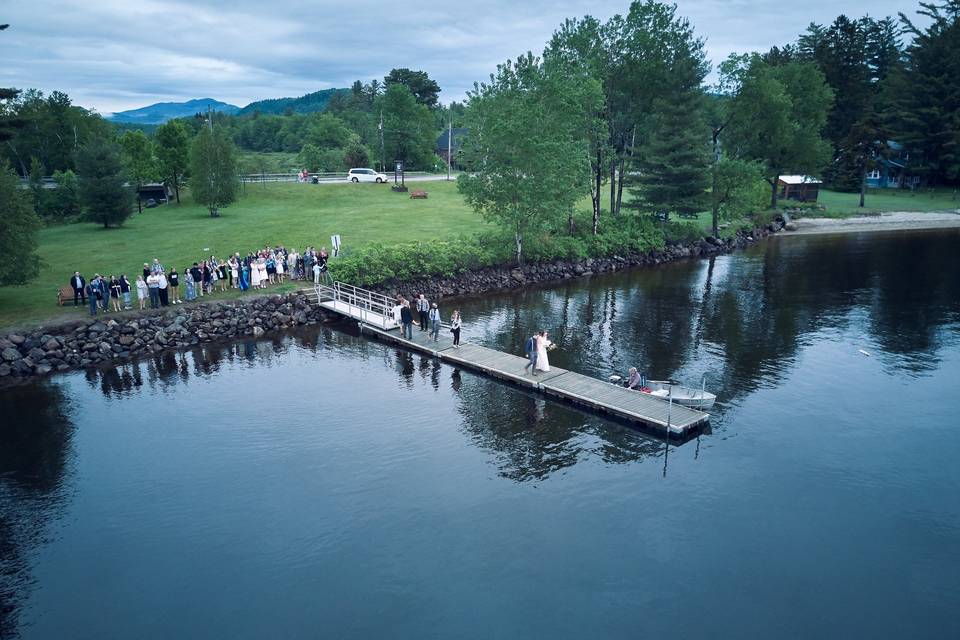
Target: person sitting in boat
{"x":635,"y":381}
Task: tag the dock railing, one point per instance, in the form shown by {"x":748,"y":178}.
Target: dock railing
{"x":366,"y":306}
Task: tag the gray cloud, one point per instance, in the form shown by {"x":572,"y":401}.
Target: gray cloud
{"x":119,"y":54}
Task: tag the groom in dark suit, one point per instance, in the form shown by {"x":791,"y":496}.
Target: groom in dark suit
{"x":79,"y":290}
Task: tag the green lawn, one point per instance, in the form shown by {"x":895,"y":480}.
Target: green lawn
{"x":879,"y":200}
{"x":291,"y":214}
{"x":297,"y":215}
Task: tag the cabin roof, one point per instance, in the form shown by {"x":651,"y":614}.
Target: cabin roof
{"x":798,"y":179}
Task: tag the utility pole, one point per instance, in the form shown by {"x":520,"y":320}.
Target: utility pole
{"x":383,"y":154}
{"x":449,"y":137}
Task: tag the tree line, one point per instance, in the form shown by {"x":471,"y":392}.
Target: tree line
{"x":621,"y":110}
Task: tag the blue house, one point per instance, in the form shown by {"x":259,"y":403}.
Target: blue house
{"x":891,"y":172}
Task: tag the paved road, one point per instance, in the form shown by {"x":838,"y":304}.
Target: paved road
{"x":341,"y":180}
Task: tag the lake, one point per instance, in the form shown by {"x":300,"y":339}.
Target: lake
{"x":320,"y":484}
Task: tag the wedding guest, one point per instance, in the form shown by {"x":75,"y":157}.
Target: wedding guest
{"x":190,"y":284}
{"x":281,"y":265}
{"x":79,"y":288}
{"x":244,"y":276}
{"x":115,"y":294}
{"x":207,"y":275}
{"x":104,"y":294}
{"x":153,"y":285}
{"x":93,"y":295}
{"x":456,"y":323}
{"x":174,"y":283}
{"x":434,"y":322}
{"x":197,"y":278}
{"x":142,"y":292}
{"x":125,"y":291}
{"x":162,"y":291}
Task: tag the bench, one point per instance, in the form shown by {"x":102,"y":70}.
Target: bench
{"x":64,"y":295}
{"x":419,"y":194}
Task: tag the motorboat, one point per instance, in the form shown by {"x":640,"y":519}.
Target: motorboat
{"x":671,"y":391}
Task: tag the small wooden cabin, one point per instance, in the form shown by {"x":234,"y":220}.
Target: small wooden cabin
{"x":802,"y":188}
{"x":156,"y":191}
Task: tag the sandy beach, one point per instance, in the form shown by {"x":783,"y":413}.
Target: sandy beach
{"x":892,"y":221}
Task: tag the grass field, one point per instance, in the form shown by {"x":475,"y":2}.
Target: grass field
{"x":297,"y":215}
{"x":289,"y":213}
{"x":880,"y":200}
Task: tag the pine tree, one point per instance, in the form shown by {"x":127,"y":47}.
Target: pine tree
{"x":925,"y":95}
{"x":103,"y":189}
{"x":18,"y":231}
{"x":674,"y":167}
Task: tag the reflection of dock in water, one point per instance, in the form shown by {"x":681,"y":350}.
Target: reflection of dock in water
{"x":373,"y":312}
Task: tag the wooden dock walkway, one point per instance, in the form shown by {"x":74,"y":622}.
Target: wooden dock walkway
{"x":374,"y":319}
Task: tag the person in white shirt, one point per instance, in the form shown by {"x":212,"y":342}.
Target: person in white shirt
{"x":142,"y":292}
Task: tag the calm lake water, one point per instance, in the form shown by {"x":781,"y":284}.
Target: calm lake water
{"x":319,"y":484}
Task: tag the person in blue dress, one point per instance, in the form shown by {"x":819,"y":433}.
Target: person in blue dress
{"x":190,"y":285}
{"x":244,"y":277}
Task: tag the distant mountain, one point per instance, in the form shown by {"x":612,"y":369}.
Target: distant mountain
{"x":163,"y":111}
{"x":316,"y":101}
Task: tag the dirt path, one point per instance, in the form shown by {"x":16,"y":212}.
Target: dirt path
{"x":893,"y":221}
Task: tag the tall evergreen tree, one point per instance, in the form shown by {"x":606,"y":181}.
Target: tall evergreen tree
{"x":425,"y":90}
{"x":18,"y":231}
{"x":103,"y":190}
{"x":408,"y":128}
{"x":673,"y":169}
{"x":924,"y":108}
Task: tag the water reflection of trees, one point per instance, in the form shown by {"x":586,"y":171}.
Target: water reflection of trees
{"x":35,"y":441}
{"x":533,"y":438}
{"x":741,"y":319}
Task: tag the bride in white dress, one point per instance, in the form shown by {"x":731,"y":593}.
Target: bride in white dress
{"x":543,"y":344}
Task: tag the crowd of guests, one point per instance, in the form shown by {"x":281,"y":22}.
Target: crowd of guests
{"x":159,"y":287}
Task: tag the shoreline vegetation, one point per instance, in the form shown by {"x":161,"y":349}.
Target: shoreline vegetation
{"x":387,"y":237}
{"x":79,"y":341}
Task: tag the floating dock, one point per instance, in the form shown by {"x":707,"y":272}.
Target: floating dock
{"x":373,"y":313}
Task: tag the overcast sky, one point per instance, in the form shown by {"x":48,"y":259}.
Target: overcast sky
{"x":113,"y":55}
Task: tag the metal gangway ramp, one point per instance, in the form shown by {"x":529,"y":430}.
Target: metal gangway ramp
{"x":374,"y":312}
{"x":367,"y":307}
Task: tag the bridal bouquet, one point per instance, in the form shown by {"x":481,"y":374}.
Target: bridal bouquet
{"x":551,"y":346}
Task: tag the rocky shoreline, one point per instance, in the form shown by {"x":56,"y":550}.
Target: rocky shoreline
{"x":94,"y":341}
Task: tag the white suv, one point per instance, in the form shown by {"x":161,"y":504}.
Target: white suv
{"x":365,"y":175}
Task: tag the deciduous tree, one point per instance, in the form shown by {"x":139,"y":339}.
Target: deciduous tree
{"x":529,"y":156}
{"x":173,"y":154}
{"x":213,"y":169}
{"x":138,"y":155}
{"x":777,"y":117}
